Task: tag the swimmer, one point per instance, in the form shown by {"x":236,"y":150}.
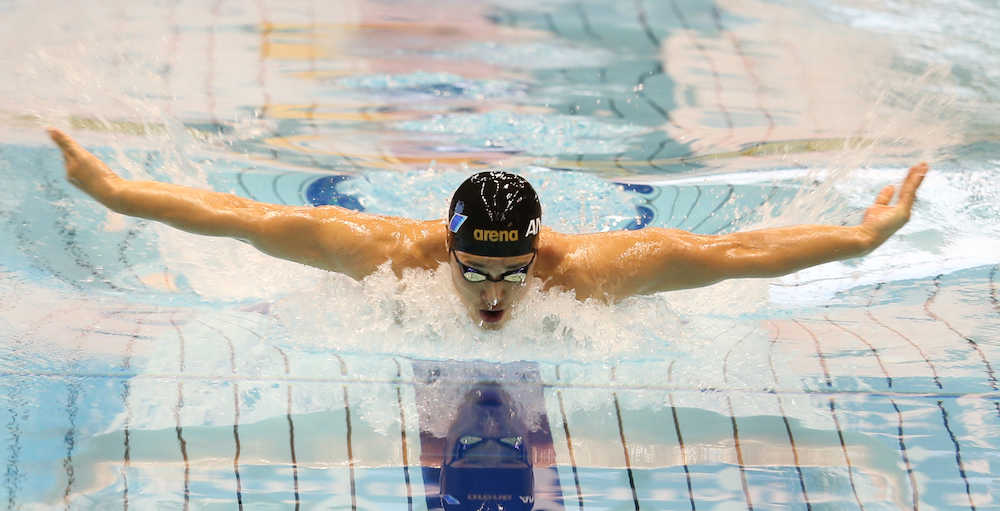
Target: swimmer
{"x":492,"y":239}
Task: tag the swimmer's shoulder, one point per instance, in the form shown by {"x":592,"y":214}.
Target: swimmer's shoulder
{"x":358,"y":243}
{"x":416,"y":243}
{"x":607,"y":265}
{"x":565,"y":261}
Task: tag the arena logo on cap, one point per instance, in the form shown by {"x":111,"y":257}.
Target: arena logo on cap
{"x":494,"y":235}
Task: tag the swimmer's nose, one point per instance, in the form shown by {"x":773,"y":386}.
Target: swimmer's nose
{"x":492,"y":294}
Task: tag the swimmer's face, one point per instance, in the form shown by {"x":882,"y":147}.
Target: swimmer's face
{"x":490,"y":286}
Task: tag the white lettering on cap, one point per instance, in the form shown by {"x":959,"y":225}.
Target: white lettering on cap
{"x":533,"y":227}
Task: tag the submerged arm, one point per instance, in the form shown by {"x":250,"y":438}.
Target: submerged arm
{"x":328,"y":237}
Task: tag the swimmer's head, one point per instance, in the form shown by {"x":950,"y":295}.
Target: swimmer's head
{"x":494,"y":214}
{"x":493,"y":226}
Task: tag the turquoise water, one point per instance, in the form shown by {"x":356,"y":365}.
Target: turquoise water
{"x":146,"y":368}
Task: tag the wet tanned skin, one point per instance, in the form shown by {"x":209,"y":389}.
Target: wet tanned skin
{"x":607,"y":266}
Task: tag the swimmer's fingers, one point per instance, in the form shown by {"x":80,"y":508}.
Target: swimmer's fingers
{"x":83,"y":169}
{"x":885,"y":195}
{"x":69,"y":147}
{"x":908,"y":192}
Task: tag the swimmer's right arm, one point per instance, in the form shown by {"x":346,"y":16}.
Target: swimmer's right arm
{"x":330,"y":237}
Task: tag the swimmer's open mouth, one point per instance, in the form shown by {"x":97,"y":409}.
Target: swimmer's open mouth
{"x":491,"y":316}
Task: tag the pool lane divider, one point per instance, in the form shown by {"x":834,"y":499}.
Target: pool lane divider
{"x":569,"y":442}
{"x":748,"y":67}
{"x":127,"y":406}
{"x":12,"y":477}
{"x":551,"y":25}
{"x":236,"y":414}
{"x":288,"y":402}
{"x":697,"y":197}
{"x":644,"y":24}
{"x":833,"y":413}
{"x":17,"y":407}
{"x":640,"y":88}
{"x":291,"y":427}
{"x":58,"y":198}
{"x":349,"y":435}
{"x":958,"y":455}
{"x":739,"y":454}
{"x":24,"y":246}
{"x":680,"y":437}
{"x":906,"y":458}
{"x":405,"y":449}
{"x":729,"y":352}
{"x":628,"y":460}
{"x":72,"y":411}
{"x":847,"y":456}
{"x":927,"y":360}
{"x":991,"y":376}
{"x":993,"y":288}
{"x":996,"y":305}
{"x":899,"y":435}
{"x":350,"y":451}
{"x":569,"y":446}
{"x":182,"y":444}
{"x":652,"y":156}
{"x":873,"y":349}
{"x":819,"y":353}
{"x":585,"y":23}
{"x":705,"y":57}
{"x":736,"y":429}
{"x":784,"y":416}
{"x":69,"y":439}
{"x":611,"y":101}
{"x":712,"y":213}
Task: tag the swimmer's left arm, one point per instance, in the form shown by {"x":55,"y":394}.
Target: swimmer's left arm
{"x":695,"y":260}
{"x":653,"y":260}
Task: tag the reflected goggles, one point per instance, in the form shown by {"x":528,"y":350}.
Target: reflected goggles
{"x":518,"y":276}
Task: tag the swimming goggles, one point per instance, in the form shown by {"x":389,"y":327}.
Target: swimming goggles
{"x":517,"y":276}
{"x":514,"y":446}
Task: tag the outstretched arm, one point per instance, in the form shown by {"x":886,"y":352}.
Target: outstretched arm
{"x":619,"y":264}
{"x":329,"y":237}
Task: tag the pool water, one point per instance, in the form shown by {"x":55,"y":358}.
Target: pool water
{"x":147,"y":368}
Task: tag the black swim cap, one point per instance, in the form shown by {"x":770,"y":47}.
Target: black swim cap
{"x":494,"y":214}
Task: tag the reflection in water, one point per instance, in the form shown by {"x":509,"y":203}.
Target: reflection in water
{"x":486,"y":461}
{"x":485,"y":439}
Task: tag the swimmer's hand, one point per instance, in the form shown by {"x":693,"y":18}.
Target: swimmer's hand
{"x":84,"y":170}
{"x":881,"y":220}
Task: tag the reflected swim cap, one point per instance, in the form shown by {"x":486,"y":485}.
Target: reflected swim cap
{"x":494,"y":214}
